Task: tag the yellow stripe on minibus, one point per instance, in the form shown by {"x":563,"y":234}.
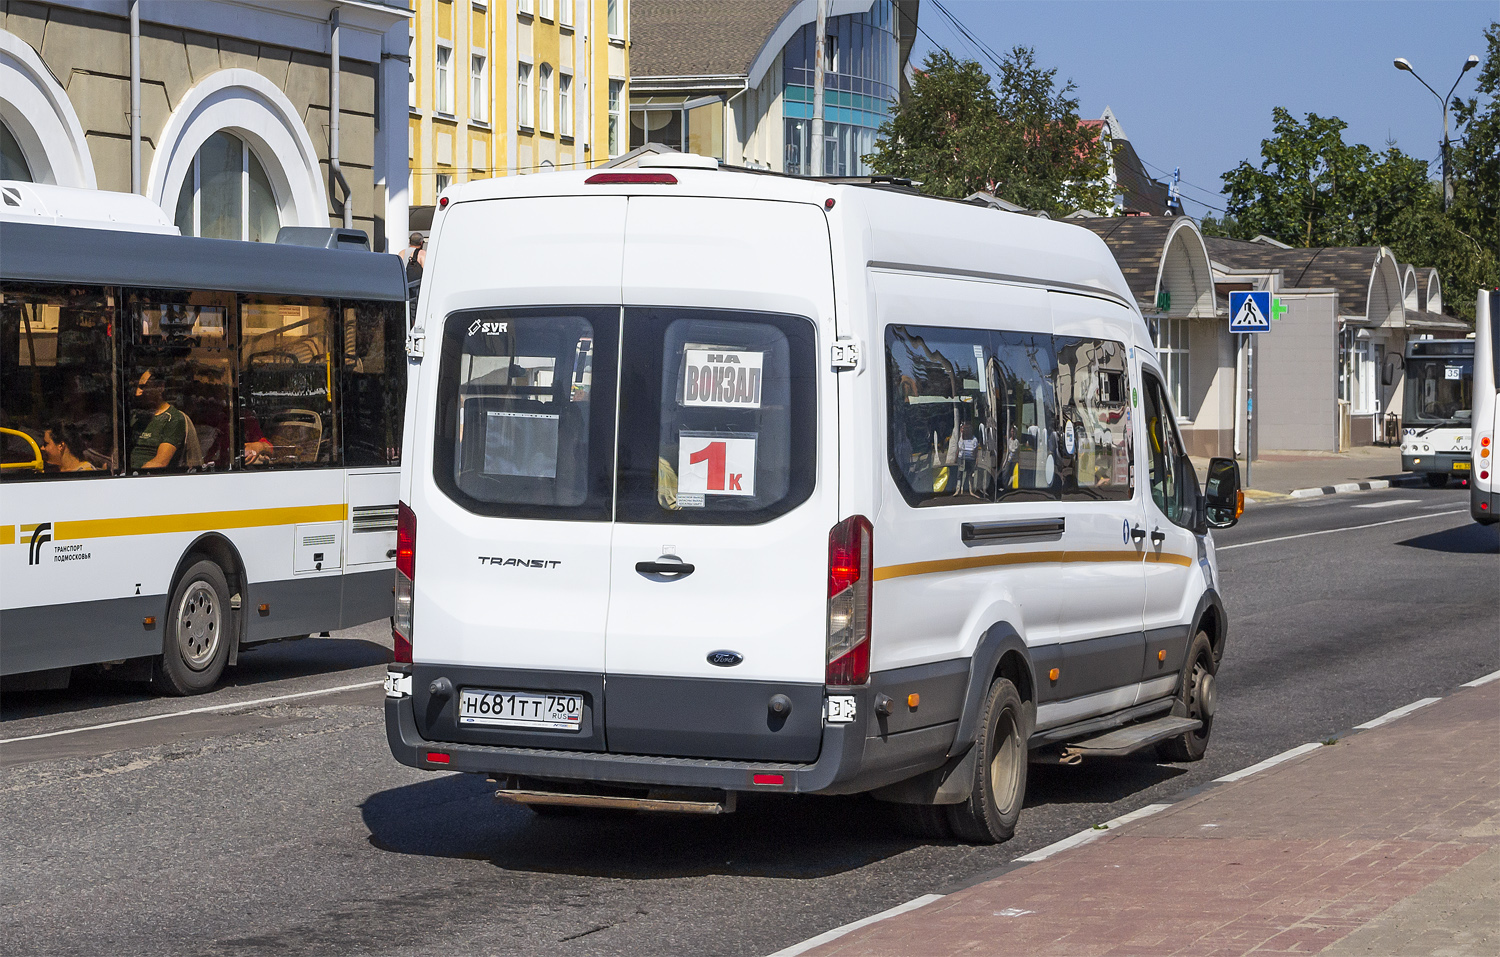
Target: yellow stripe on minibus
{"x":7,"y":534}
{"x":1023,"y":558}
{"x":197,"y":522}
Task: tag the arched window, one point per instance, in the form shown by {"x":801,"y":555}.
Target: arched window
{"x":13,"y":163}
{"x":227,"y":194}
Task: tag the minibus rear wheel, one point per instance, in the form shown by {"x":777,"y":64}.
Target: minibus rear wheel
{"x":198,"y":631}
{"x":1197,"y":697}
{"x":989,"y":815}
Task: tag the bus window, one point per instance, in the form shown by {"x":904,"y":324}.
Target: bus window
{"x":57,"y":380}
{"x":286,"y":381}
{"x":374,"y":383}
{"x":180,"y":381}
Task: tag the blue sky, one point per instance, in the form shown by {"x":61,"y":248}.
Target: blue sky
{"x":1194,"y":81}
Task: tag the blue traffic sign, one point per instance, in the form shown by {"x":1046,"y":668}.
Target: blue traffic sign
{"x":1250,"y":312}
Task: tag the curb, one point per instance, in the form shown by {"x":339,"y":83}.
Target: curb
{"x":1342,"y":487}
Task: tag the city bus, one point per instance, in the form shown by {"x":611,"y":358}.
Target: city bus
{"x":1484,"y":487}
{"x":199,"y":444}
{"x":1436,"y":421}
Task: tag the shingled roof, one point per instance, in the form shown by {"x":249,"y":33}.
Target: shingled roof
{"x":1137,"y":243}
{"x":700,"y":37}
{"x":1346,"y":269}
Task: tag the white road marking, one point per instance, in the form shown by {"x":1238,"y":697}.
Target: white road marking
{"x":838,"y":932}
{"x":1390,"y":716}
{"x":1092,"y":834}
{"x":1481,"y":681}
{"x":1347,"y":528}
{"x":253,"y":703}
{"x":1387,"y":504}
{"x":1270,"y":762}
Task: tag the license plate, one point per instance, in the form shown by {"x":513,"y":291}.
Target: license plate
{"x":1460,"y":465}
{"x":521,"y":709}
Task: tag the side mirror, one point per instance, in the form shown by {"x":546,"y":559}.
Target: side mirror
{"x":1223,"y":499}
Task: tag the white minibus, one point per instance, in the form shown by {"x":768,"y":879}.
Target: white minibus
{"x":722,"y":482}
{"x":200,"y":439}
{"x":1484,"y":486}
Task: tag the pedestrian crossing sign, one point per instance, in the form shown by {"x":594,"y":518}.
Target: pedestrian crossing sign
{"x":1249,"y":312}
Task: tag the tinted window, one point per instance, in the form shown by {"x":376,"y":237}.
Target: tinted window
{"x":179,"y":381}
{"x":526,"y":412}
{"x":943,"y":385}
{"x":1027,"y":417}
{"x":57,"y":381}
{"x":287,"y":382}
{"x":718,"y":416}
{"x":1093,"y":391}
{"x":374,"y":383}
{"x":1164,"y":454}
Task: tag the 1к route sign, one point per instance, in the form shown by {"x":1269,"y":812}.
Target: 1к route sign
{"x":1250,"y":312}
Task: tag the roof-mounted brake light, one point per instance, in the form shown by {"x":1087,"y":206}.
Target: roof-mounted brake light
{"x":627,"y":179}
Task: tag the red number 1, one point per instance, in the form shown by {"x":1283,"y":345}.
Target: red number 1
{"x":713,"y":453}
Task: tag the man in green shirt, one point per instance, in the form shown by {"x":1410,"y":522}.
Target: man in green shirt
{"x":158,"y":429}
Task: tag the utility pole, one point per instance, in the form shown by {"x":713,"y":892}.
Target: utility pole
{"x":815,"y":157}
{"x":1401,"y":63}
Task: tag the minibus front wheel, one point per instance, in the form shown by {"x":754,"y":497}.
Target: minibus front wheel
{"x":990,"y":814}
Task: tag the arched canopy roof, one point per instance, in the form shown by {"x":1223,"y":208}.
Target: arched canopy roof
{"x":1409,"y":285}
{"x":37,"y":111}
{"x":1160,"y":254}
{"x":1366,"y":278}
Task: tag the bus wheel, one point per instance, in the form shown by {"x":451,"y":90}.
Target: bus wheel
{"x":989,"y":815}
{"x":198,"y":632}
{"x":1437,"y":479}
{"x":1197,"y":697}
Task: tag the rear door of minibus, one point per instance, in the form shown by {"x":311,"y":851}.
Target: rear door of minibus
{"x":726,"y":488}
{"x":512,"y":495}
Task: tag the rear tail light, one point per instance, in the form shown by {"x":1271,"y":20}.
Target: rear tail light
{"x":851,"y":550}
{"x":620,"y":179}
{"x":406,"y":575}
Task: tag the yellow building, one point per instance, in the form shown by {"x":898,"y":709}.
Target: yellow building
{"x":515,"y":86}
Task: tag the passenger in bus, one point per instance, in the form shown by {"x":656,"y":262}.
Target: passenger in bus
{"x":158,"y":428}
{"x":257,"y":446}
{"x":62,"y":446}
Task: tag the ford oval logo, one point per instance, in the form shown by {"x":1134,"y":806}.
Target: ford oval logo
{"x":725,"y":659}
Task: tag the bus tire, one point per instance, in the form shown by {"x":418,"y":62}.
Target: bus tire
{"x":1197,"y":697}
{"x":990,"y":814}
{"x":1437,"y":479}
{"x":199,"y":630}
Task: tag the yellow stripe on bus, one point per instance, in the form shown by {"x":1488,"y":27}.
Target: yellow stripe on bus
{"x":196,"y":522}
{"x":7,"y":534}
{"x":1023,"y":558}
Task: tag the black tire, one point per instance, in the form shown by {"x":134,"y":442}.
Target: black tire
{"x":1197,"y":697}
{"x":1437,"y":479}
{"x":199,"y":627}
{"x":929,"y":822}
{"x":990,"y":814}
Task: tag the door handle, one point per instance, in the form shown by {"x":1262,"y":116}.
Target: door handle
{"x":1137,"y":534}
{"x":1158,"y":536}
{"x":673,"y":570}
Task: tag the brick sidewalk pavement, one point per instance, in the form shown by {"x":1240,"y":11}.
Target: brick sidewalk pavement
{"x":1387,"y":842}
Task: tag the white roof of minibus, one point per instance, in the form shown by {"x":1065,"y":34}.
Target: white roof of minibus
{"x":900,"y":229}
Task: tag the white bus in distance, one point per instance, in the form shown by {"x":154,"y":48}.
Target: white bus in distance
{"x":199,"y":439}
{"x":1484,"y":487}
{"x":1436,"y":410}
{"x":776,"y":485}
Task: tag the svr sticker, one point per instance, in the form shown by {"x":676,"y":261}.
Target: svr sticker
{"x":482,"y":327}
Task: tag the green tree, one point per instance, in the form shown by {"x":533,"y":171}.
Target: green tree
{"x":1018,"y":137}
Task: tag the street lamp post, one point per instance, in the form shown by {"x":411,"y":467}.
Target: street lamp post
{"x":1469,"y":64}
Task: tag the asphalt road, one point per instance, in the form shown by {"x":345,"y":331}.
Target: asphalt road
{"x":284,"y":827}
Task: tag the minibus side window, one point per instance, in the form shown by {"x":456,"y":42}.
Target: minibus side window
{"x":1165,"y":456}
{"x":718,"y":417}
{"x":58,"y":401}
{"x":1093,"y":389}
{"x":525,"y":417}
{"x":943,"y":386}
{"x":1026,"y":417}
